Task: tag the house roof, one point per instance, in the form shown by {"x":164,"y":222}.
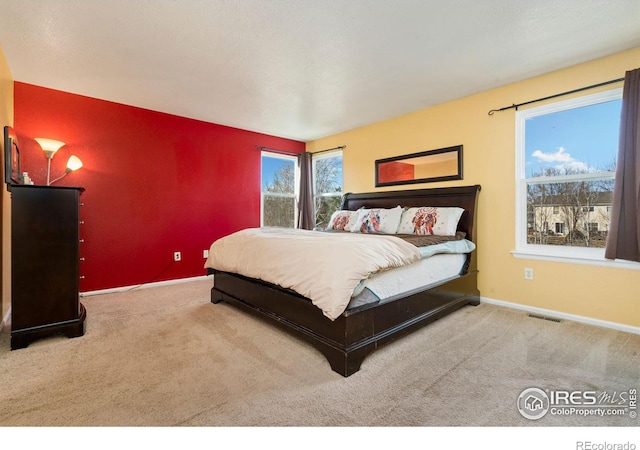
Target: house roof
{"x":582,"y":199}
{"x":302,"y":69}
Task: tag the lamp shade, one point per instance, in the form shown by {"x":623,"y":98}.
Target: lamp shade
{"x":73,"y":163}
{"x":49,"y":146}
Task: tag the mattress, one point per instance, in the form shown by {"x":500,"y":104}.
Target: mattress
{"x":391,"y":284}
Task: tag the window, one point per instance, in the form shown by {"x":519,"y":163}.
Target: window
{"x":279,"y":187}
{"x":327,"y":186}
{"x":565,"y":162}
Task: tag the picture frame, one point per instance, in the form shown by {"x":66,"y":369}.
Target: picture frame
{"x":12,"y":174}
{"x":442,"y":164}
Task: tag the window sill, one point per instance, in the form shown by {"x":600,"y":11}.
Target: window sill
{"x":593,"y":259}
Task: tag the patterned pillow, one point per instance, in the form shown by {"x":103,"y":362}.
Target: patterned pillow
{"x":342,"y":220}
{"x":378,"y":220}
{"x":430,"y":220}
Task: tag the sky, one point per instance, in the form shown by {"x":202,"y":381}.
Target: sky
{"x":583,"y":138}
{"x":270,"y":166}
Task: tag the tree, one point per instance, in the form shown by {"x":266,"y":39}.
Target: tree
{"x":279,"y":199}
{"x":283,"y":180}
{"x":575,"y":200}
{"x":327,"y":180}
{"x":540,"y":212}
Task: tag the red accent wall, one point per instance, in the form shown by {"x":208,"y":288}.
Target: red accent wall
{"x":155,"y":183}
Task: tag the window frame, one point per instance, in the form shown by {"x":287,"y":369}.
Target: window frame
{"x":523,"y":249}
{"x":314,"y":160}
{"x":296,"y":182}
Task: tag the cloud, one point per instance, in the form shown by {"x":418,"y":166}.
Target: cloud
{"x":562,"y":160}
{"x":578,"y":167}
{"x":559,"y":156}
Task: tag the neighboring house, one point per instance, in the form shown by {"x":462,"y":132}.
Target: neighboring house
{"x":569,"y":220}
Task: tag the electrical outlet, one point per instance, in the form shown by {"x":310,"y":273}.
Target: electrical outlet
{"x":528,"y":273}
{"x":205,"y":253}
{"x":177,"y":256}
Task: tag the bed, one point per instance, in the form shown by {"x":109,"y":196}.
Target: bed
{"x":345,"y":339}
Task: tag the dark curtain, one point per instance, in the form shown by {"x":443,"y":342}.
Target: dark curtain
{"x":624,"y":227}
{"x":306,"y":215}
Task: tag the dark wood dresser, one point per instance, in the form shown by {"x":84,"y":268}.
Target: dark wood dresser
{"x":45,"y":261}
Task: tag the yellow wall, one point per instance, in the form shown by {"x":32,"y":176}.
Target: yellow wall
{"x":6,"y":118}
{"x":601,"y":293}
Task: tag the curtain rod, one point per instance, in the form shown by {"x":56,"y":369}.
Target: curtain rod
{"x":341,"y":147}
{"x":556,"y":95}
{"x":284,"y":152}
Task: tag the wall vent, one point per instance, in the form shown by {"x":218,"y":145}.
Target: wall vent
{"x":550,"y":319}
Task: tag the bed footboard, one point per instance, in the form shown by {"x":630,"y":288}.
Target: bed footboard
{"x":346,"y":341}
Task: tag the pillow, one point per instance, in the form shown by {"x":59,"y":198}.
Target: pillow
{"x":378,"y":220}
{"x":430,"y":220}
{"x":342,"y":220}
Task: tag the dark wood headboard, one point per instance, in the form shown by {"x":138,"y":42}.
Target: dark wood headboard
{"x":465,"y":197}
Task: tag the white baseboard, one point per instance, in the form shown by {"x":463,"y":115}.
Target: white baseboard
{"x":142,"y":286}
{"x":561,"y":315}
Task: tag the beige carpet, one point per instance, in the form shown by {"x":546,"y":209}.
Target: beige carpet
{"x":166,"y":356}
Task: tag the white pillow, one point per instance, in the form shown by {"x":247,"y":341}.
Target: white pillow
{"x":378,"y":220}
{"x":430,"y":220}
{"x":342,"y":220}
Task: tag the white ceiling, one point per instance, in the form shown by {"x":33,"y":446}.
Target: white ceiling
{"x":302,"y":69}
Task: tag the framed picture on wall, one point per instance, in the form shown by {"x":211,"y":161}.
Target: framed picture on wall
{"x":11,"y":157}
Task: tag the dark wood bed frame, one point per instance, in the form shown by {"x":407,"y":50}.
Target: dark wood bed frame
{"x":347,"y":340}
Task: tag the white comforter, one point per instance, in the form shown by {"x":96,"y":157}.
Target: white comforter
{"x":324,"y":267}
